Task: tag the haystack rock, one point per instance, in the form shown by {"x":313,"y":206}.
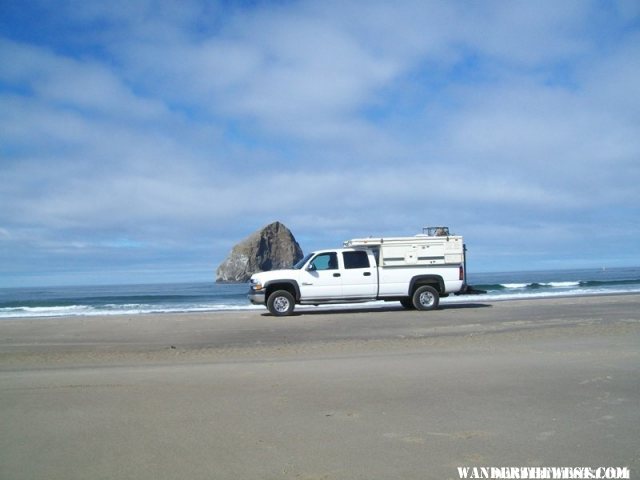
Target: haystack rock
{"x":270,"y":248}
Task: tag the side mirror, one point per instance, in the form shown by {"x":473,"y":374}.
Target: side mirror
{"x":311,"y":267}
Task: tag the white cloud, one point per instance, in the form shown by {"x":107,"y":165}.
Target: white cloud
{"x":68,"y":82}
{"x":193,"y":121}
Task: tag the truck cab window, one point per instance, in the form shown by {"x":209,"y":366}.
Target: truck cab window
{"x":326,"y":261}
{"x":355,"y":260}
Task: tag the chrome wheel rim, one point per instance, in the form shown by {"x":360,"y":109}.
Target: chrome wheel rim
{"x":426,"y":299}
{"x":281,"y":304}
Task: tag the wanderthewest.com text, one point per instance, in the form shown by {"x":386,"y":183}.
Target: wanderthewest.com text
{"x":543,"y":472}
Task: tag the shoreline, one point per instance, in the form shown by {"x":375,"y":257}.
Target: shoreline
{"x":380,"y":304}
{"x":198,"y":336}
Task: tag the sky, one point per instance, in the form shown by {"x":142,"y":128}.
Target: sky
{"x":140,"y":140}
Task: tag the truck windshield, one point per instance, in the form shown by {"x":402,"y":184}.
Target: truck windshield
{"x":301,"y":263}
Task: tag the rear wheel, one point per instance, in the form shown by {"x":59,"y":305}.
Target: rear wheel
{"x":426,"y":298}
{"x":280,"y":303}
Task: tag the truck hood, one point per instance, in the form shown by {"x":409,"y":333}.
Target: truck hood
{"x":265,"y":277}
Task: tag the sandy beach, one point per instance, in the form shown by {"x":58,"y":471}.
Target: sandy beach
{"x":378,"y":393}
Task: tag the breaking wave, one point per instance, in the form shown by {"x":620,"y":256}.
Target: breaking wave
{"x":559,"y":285}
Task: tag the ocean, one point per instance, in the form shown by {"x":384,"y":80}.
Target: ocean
{"x":211,"y":297}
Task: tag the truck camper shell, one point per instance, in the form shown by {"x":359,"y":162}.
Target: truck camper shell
{"x":435,"y":246}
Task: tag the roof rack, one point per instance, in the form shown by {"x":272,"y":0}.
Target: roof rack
{"x":429,"y":235}
{"x":436,"y":231}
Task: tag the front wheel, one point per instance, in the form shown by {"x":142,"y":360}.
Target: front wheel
{"x":280,"y":303}
{"x":426,"y":298}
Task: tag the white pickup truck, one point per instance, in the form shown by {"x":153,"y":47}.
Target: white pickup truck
{"x":415,"y":270}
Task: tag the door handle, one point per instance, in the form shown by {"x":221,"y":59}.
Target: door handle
{"x":336,"y":274}
{"x":367,"y":274}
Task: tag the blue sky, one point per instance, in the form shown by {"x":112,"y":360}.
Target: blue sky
{"x":139,"y":140}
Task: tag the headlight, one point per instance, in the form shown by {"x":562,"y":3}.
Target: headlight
{"x":256,"y":285}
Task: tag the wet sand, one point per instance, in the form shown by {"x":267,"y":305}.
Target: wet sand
{"x":328,"y":394}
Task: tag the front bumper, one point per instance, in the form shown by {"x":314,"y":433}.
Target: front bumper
{"x":256,"y":297}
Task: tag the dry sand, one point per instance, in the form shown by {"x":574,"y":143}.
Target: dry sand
{"x":333,"y":394}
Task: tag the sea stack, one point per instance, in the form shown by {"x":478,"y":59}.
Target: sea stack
{"x":269,"y":248}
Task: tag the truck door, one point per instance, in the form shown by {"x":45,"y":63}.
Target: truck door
{"x":322,"y":278}
{"x":359,"y":276}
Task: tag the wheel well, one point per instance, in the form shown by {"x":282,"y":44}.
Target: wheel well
{"x":427,"y":284}
{"x":288,"y":286}
{"x":434,"y":281}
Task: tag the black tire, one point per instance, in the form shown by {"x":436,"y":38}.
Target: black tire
{"x":280,"y":303}
{"x":426,"y":298}
{"x":407,"y":303}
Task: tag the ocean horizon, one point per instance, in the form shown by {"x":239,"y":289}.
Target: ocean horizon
{"x":185,"y":297}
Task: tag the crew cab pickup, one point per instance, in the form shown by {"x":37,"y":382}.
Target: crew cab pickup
{"x":416,"y":271}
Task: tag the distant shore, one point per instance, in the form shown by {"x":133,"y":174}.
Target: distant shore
{"x":336,"y":393}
